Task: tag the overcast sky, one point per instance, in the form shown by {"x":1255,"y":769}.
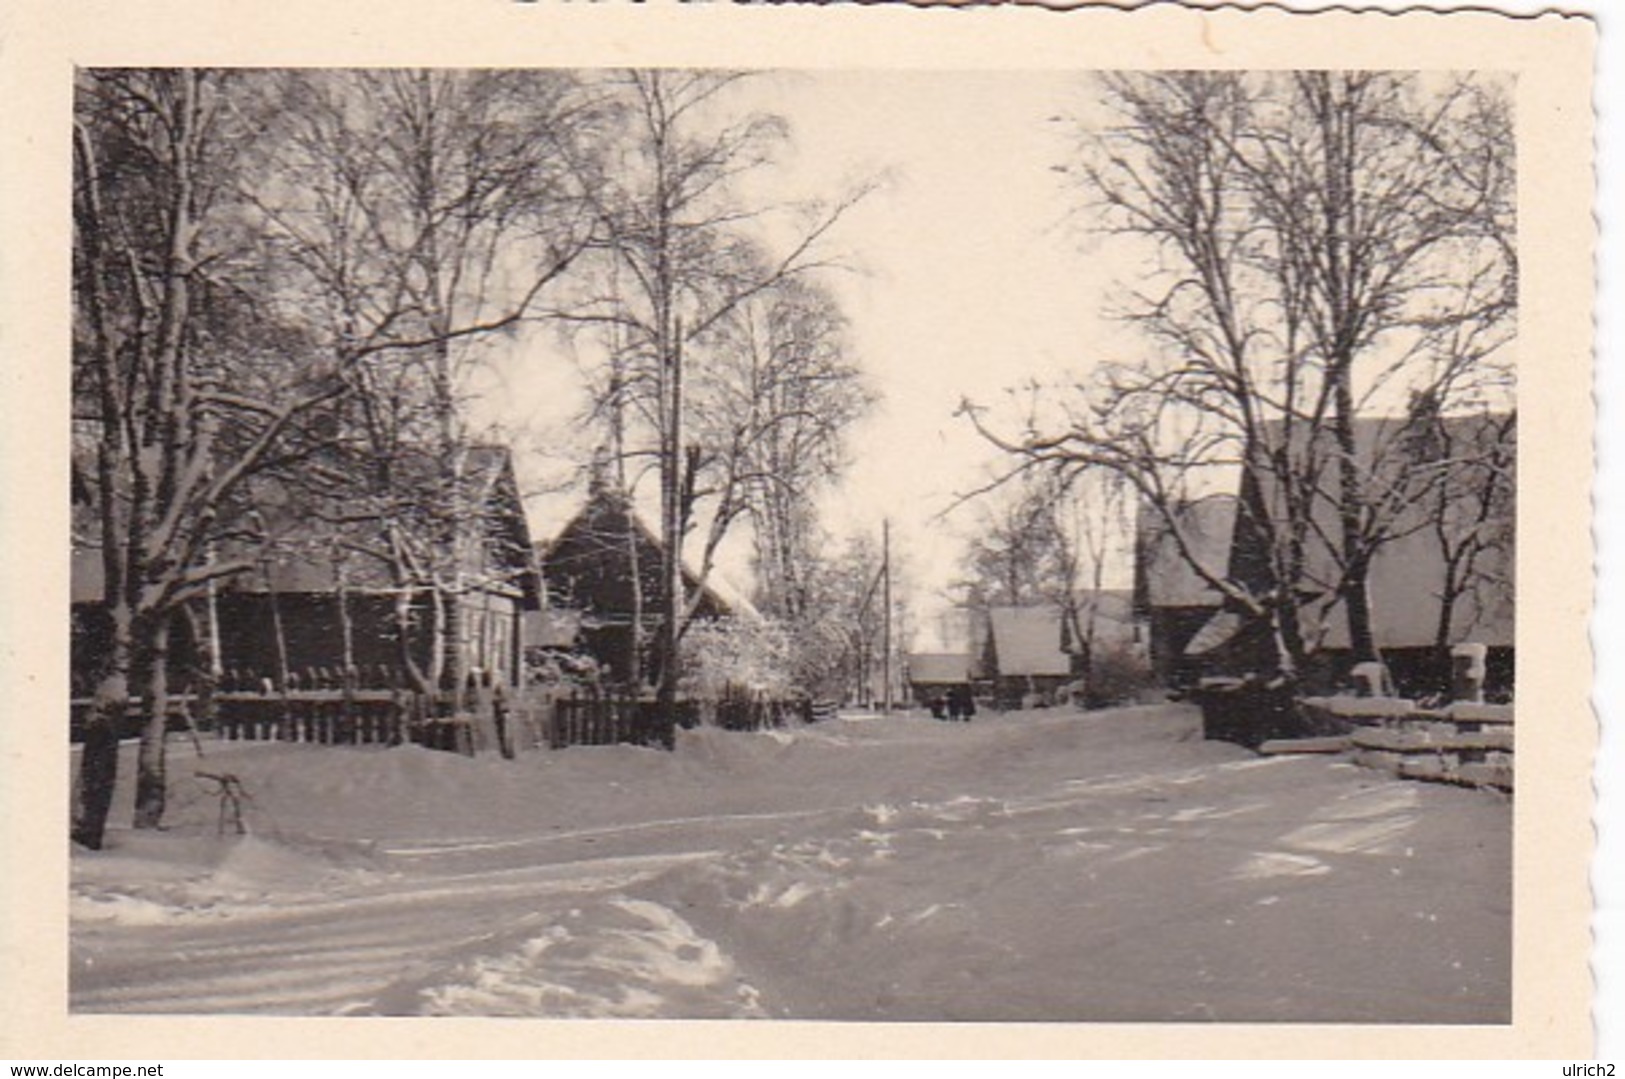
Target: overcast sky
{"x":970,"y":280}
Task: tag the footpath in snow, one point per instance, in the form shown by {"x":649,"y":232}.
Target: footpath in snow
{"x":1035,"y":866}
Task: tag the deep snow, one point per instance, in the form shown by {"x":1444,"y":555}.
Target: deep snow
{"x":1034,"y":866}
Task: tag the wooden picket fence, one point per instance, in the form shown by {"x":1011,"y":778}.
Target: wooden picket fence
{"x":483,"y":718}
{"x":322,"y":717}
{"x":587,"y":718}
{"x":747,"y":713}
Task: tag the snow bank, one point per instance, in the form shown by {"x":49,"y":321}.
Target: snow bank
{"x":1043,"y":865}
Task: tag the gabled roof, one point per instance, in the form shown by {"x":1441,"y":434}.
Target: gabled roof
{"x":1405,"y":601}
{"x":938,"y":668}
{"x":302,"y":558}
{"x":1027,"y":641}
{"x":1112,"y":610}
{"x":1407,"y":573}
{"x":1163,"y":576}
{"x":587,"y":556}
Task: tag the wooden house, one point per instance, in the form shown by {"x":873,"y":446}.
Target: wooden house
{"x":602,"y":573}
{"x":1023,"y":655}
{"x":933,"y":676}
{"x":317,"y":605}
{"x":1171,"y":601}
{"x":1445,"y":577}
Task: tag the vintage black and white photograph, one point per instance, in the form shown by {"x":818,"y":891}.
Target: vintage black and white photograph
{"x":599,"y":543}
{"x":1002,"y":530}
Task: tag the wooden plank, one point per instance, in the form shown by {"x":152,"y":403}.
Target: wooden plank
{"x":1410,"y":741}
{"x":1422,"y":767}
{"x":1327,"y":744}
{"x":1374,"y":758}
{"x":1471,"y":712}
{"x":1363,"y":707}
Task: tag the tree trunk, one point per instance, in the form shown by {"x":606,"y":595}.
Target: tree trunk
{"x":415,"y":676}
{"x":151,"y":780}
{"x":1357,"y":600}
{"x":1333,"y":101}
{"x":347,"y":672}
{"x":671,"y":599}
{"x":341,"y":602}
{"x":284,"y":670}
{"x":1290,"y":653}
{"x":1443,"y":628}
{"x":455,"y":675}
{"x":206,"y":670}
{"x":98,"y":764}
{"x":1350,"y":502}
{"x":634,"y":568}
{"x":634,"y":670}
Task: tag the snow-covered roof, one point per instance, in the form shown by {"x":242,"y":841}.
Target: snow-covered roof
{"x":716,"y":583}
{"x":1167,"y":576}
{"x":301,"y":556}
{"x":938,"y":667}
{"x":724,"y":589}
{"x":1027,"y":641}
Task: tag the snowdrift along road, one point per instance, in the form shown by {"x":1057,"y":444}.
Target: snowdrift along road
{"x":1036,"y":866}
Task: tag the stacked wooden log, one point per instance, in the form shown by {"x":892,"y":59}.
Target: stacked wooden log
{"x":1465,"y":743}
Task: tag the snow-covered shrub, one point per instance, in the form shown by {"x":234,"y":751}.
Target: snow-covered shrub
{"x":1118,"y":676}
{"x":731,"y":655}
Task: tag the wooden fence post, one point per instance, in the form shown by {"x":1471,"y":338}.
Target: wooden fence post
{"x":1469,"y":668}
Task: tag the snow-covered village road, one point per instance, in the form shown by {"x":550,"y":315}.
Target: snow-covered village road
{"x":1035,"y":866}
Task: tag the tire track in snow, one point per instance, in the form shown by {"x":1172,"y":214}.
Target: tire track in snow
{"x":313,"y":954}
{"x":472,"y":846}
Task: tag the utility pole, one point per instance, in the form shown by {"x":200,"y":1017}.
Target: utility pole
{"x":885,"y":599}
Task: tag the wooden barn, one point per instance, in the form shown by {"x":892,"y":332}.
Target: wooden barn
{"x":602,"y":577}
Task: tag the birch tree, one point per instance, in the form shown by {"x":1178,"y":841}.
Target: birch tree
{"x":223,"y":310}
{"x":775,"y":395}
{"x":683,"y":249}
{"x":171,"y":429}
{"x":438,"y":204}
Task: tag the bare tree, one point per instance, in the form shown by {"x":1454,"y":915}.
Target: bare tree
{"x":226,"y":302}
{"x":166,"y":405}
{"x":683,"y":251}
{"x":774,"y":396}
{"x":1016,"y":555}
{"x":1394,"y":203}
{"x":1310,"y":242}
{"x":1047,"y":537}
{"x":439,"y":203}
{"x":1471,"y":516}
{"x":847,"y":615}
{"x":1092,"y":524}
